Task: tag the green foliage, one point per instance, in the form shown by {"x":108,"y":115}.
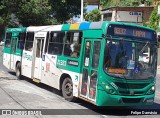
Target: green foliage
{"x":5,"y":12}
{"x":154,"y":19}
{"x":94,"y":15}
{"x":33,"y":12}
{"x":65,"y":9}
{"x":38,"y":12}
{"x":5,"y":15}
{"x":110,"y":3}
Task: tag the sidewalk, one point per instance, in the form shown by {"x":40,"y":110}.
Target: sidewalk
{"x":158,"y":69}
{"x":4,"y":75}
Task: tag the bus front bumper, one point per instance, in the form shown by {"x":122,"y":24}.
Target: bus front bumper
{"x":104,"y":99}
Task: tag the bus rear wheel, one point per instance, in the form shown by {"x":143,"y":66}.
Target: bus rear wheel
{"x":18,"y":70}
{"x":67,"y":90}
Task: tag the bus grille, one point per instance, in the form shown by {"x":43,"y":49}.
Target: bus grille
{"x":131,"y":100}
{"x":128,"y":92}
{"x":130,"y":85}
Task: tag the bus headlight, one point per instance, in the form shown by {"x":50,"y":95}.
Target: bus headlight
{"x":151,"y":90}
{"x":107,"y":87}
{"x":110,"y":89}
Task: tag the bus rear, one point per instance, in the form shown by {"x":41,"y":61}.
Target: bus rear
{"x":13,"y":47}
{"x":126,"y":75}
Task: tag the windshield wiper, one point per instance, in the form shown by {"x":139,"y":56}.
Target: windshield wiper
{"x":143,"y":47}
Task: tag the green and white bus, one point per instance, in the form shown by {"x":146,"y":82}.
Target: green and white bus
{"x":104,"y":63}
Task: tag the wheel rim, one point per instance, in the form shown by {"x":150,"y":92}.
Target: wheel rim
{"x":68,"y":89}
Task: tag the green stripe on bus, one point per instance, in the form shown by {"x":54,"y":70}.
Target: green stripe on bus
{"x":67,"y":63}
{"x":66,"y":27}
{"x":8,"y":51}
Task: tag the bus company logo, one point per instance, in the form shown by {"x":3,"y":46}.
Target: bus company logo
{"x":28,"y":57}
{"x":6,"y":112}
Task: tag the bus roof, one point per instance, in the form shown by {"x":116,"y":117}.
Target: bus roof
{"x":81,"y":26}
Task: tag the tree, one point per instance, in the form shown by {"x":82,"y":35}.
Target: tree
{"x":5,"y":16}
{"x":37,"y":12}
{"x":65,"y":9}
{"x":154,"y":19}
{"x":94,"y":15}
{"x":110,"y":3}
{"x":33,"y":12}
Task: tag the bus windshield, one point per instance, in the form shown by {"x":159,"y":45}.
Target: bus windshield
{"x":130,"y":59}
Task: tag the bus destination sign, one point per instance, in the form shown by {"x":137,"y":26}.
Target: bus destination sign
{"x":134,"y":32}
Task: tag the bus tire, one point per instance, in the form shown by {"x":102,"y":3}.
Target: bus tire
{"x":18,"y":71}
{"x":67,"y":90}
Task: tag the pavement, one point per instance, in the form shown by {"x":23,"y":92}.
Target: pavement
{"x":158,"y":69}
{"x":7,"y":75}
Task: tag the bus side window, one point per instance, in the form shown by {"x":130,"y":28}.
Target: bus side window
{"x":46,"y":43}
{"x":21,"y":40}
{"x":29,"y":41}
{"x":87,"y":53}
{"x":56,"y":43}
{"x":8,"y":40}
{"x":96,"y":54}
{"x":73,"y":44}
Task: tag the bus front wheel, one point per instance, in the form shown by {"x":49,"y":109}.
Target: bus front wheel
{"x":18,"y":70}
{"x":67,"y":89}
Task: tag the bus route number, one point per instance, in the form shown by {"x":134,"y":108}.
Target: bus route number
{"x":61,"y":62}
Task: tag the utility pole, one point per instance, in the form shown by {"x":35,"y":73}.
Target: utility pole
{"x":81,"y":10}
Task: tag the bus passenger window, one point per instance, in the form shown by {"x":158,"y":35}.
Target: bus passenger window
{"x":87,"y":54}
{"x":96,"y":54}
{"x":73,"y":44}
{"x":8,"y":39}
{"x":38,"y":48}
{"x":84,"y":82}
{"x":29,"y":41}
{"x":21,"y":40}
{"x":93,"y":84}
{"x":56,"y":43}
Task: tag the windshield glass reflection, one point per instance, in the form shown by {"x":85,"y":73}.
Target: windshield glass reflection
{"x":130,"y":60}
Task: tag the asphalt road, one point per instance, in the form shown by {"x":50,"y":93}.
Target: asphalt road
{"x":25,"y":94}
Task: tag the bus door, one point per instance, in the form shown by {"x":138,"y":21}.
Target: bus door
{"x":90,"y":69}
{"x":37,"y":58}
{"x":13,"y":52}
